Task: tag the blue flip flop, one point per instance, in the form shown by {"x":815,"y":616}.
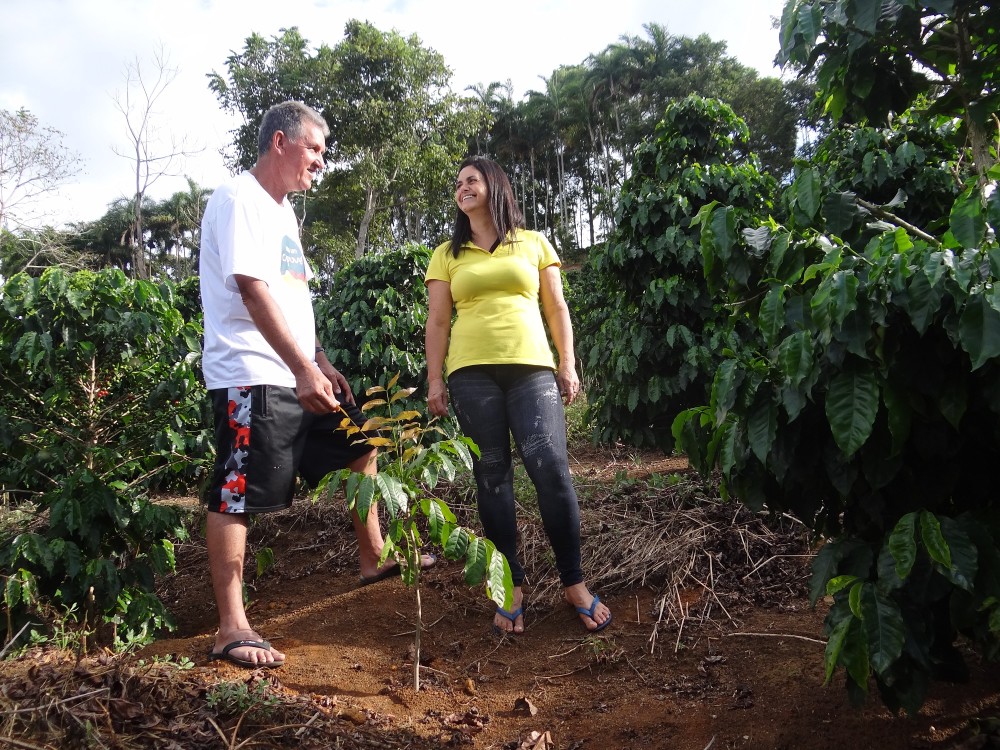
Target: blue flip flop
{"x":512,"y":616}
{"x":589,"y":612}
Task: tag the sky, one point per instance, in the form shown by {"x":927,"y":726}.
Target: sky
{"x":65,"y":61}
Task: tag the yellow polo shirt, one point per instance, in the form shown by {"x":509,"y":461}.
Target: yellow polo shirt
{"x":498,"y":320}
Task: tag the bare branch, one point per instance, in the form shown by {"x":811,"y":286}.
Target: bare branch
{"x":151,"y":155}
{"x":33,"y":164}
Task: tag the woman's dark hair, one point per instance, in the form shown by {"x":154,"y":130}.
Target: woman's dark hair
{"x":500,"y":196}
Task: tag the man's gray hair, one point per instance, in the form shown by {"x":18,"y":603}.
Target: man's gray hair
{"x":288,"y":117}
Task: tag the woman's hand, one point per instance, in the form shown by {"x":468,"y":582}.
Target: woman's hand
{"x":437,"y":398}
{"x":568,"y":382}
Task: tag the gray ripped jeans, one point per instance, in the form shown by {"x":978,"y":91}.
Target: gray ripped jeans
{"x":492,"y":403}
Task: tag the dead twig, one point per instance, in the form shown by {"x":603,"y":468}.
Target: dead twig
{"x":14,"y":639}
{"x":309,"y":723}
{"x":683,"y":611}
{"x":778,"y":635}
{"x":53,"y":704}
{"x":566,"y":653}
{"x":652,"y":636}
{"x":549,"y":678}
{"x":771,"y":558}
{"x":25,"y":745}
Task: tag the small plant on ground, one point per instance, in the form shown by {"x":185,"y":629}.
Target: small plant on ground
{"x":414,"y":455}
{"x":239,"y":698}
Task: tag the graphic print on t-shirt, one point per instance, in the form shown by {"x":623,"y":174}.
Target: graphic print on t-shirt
{"x":293,"y":262}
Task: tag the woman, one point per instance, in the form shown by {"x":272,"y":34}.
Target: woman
{"x":502,"y":376}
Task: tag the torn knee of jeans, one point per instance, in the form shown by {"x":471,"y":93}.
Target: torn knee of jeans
{"x":493,"y":458}
{"x":534,"y":443}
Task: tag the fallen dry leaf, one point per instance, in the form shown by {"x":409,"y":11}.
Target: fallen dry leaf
{"x":538,"y":741}
{"x":525,"y":706}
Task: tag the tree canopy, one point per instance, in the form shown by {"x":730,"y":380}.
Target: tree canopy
{"x":396,"y":127}
{"x":872,"y":60}
{"x":33,"y":163}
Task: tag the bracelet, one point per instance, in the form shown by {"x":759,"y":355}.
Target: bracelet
{"x":320,"y":349}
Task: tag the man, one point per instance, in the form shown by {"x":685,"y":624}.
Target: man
{"x":275,"y":396}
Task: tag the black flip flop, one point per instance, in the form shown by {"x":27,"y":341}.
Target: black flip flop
{"x":225,"y":655}
{"x":393,"y":570}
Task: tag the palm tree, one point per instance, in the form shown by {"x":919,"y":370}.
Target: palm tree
{"x":182,"y":214}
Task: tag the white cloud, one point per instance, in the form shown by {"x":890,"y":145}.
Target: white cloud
{"x":64,"y":59}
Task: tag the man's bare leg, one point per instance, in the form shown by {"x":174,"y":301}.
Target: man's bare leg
{"x":226,"y":537}
{"x":369,"y":532}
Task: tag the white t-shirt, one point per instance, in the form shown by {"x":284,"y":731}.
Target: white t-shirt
{"x":244,"y":231}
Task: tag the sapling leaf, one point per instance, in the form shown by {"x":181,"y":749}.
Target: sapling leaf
{"x":457,"y":543}
{"x":365,"y":496}
{"x":435,"y":517}
{"x":351,"y":482}
{"x":464,"y":449}
{"x":476,"y":558}
{"x":13,"y":589}
{"x":372,"y":424}
{"x":446,"y":467}
{"x":392,"y":492}
{"x":499,"y":581}
{"x":429,"y":474}
{"x":394,"y":530}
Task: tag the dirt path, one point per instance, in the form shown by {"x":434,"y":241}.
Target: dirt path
{"x":753,"y":681}
{"x":715,"y":648}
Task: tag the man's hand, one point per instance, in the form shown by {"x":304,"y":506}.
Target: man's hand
{"x":314,"y":388}
{"x":341,"y":388}
{"x":315,"y":391}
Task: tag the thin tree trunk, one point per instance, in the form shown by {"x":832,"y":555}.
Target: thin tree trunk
{"x":534,"y":198}
{"x":416,"y":639}
{"x":366,"y":221}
